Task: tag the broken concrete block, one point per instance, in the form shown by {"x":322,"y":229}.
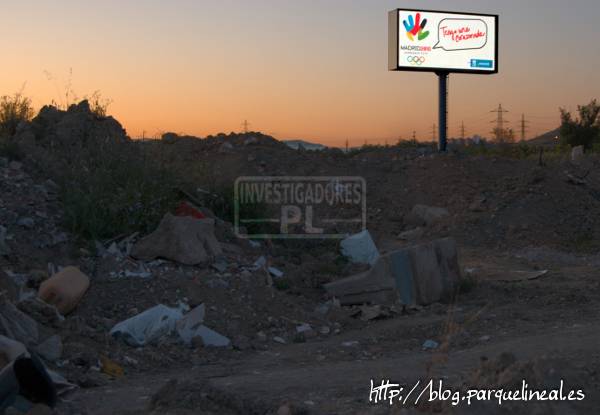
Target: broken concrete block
{"x":183,"y":239}
{"x":360,"y":248}
{"x":425,"y":215}
{"x":421,"y":274}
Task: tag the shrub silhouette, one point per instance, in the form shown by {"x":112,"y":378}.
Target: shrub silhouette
{"x":583,"y":130}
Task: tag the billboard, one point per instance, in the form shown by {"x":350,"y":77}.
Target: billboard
{"x":423,"y":40}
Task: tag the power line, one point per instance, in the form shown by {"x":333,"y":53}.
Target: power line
{"x":499,"y":131}
{"x":245,"y":126}
{"x":524,"y":127}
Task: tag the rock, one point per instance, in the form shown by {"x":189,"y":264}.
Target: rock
{"x":27,"y":223}
{"x":360,"y":248}
{"x":15,"y":165}
{"x":185,"y":239}
{"x":241,"y":343}
{"x":41,"y":311}
{"x":421,"y":274}
{"x":261,"y":337}
{"x":92,"y":379}
{"x":425,"y":215}
{"x":284,"y":410}
{"x":4,"y":248}
{"x":412,"y":234}
{"x":50,"y":349}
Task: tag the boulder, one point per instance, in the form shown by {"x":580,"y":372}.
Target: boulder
{"x":421,"y":274}
{"x":184,"y":239}
{"x":426,"y":215}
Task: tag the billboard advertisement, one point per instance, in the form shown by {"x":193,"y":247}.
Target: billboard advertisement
{"x":422,"y":40}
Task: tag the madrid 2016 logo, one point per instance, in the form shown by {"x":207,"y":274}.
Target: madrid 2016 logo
{"x":415,"y":27}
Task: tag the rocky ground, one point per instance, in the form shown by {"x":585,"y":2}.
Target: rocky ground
{"x":294,"y":349}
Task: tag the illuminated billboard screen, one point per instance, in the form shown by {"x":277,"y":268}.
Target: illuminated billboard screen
{"x":421,"y":40}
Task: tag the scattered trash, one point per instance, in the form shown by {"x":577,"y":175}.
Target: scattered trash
{"x":184,"y":239}
{"x":188,"y":325}
{"x":259,"y":263}
{"x":352,"y":343}
{"x":306,"y":331}
{"x":64,"y":289}
{"x":279,"y":340}
{"x":187,"y":209}
{"x":485,"y":338}
{"x":111,"y":368}
{"x":360,"y":248}
{"x":24,"y":380}
{"x":430,"y":345}
{"x":275,"y":272}
{"x":578,"y":181}
{"x":514,"y":276}
{"x":577,"y":154}
{"x":421,"y":274}
{"x":148,"y":326}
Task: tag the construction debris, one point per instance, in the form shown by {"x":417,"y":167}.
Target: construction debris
{"x":422,"y":274}
{"x":360,"y":248}
{"x":182,"y":239}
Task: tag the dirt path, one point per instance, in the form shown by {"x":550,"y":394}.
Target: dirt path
{"x":297,"y":374}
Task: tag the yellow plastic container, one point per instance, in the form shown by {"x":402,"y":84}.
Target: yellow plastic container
{"x":65,"y":289}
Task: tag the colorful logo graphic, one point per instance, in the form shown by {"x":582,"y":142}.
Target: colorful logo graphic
{"x":416,"y":60}
{"x":415,"y":27}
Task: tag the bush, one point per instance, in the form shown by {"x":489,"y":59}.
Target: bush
{"x":13,"y":110}
{"x":115,"y":190}
{"x":584,"y":130}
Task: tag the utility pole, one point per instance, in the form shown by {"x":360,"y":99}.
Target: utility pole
{"x":346,"y":145}
{"x":245,"y":125}
{"x":433,"y":132}
{"x":523,"y":127}
{"x":462,"y":130}
{"x":414,"y":135}
{"x":499,"y":131}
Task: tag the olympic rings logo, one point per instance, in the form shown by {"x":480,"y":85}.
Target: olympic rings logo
{"x":416,"y":60}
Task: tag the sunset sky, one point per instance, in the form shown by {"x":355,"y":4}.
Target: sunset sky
{"x":309,"y":69}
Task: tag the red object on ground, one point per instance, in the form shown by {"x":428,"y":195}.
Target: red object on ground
{"x":185,"y":209}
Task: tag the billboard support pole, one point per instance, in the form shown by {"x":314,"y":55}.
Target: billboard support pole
{"x":443,"y":110}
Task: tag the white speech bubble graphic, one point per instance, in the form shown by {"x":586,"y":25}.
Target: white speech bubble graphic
{"x":461,"y":34}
